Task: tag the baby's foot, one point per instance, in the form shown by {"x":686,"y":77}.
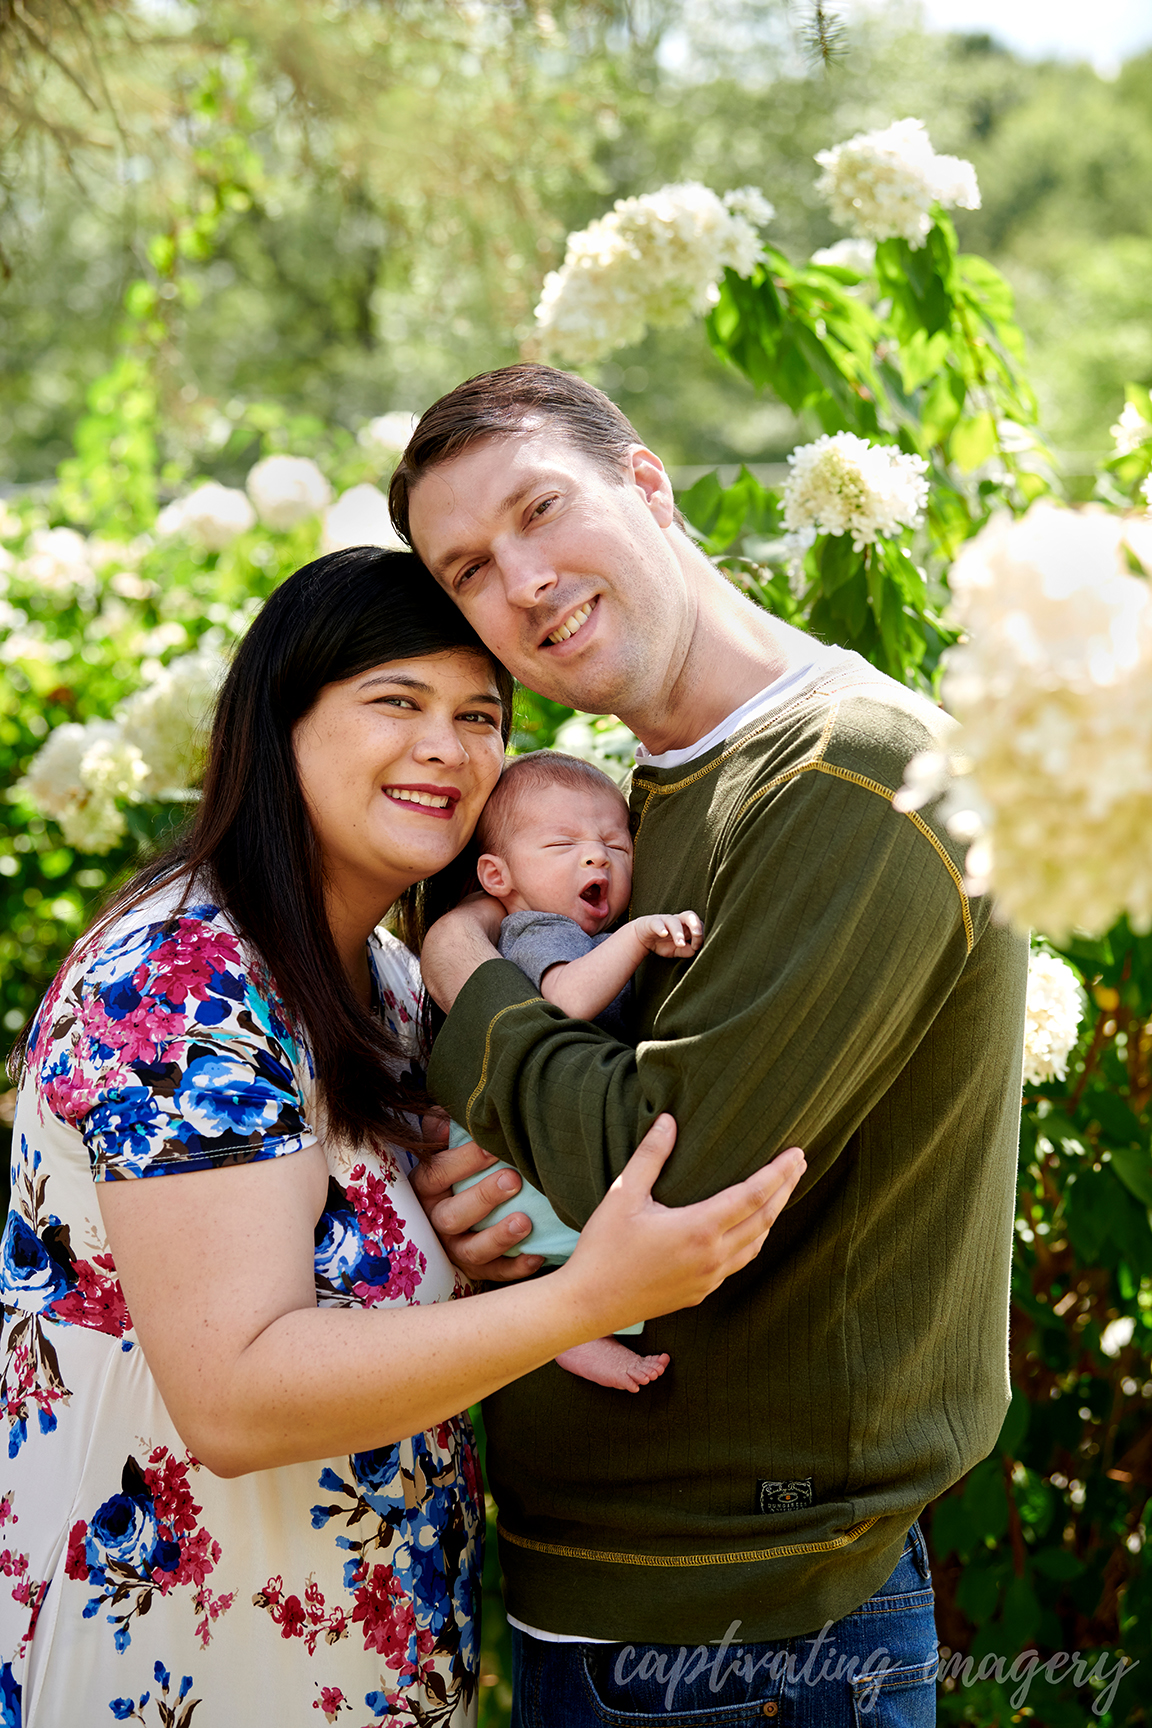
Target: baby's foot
{"x":610,"y":1363}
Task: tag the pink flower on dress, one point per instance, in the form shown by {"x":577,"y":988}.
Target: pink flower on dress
{"x":97,"y":1301}
{"x":138,"y":1036}
{"x":185,"y":962}
{"x":379,"y":1224}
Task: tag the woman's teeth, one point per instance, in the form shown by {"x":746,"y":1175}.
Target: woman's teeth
{"x":403,"y":796}
{"x":572,"y":624}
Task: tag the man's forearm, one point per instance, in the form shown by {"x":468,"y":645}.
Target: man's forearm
{"x":583,"y":988}
{"x":456,"y":945}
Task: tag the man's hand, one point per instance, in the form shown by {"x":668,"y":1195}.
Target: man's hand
{"x":456,"y":945}
{"x":479,"y":1255}
{"x":672,"y":935}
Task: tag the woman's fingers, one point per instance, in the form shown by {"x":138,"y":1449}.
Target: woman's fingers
{"x":758,"y":1203}
{"x":649,"y":1157}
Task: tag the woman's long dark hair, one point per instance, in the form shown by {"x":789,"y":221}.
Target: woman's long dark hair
{"x":252,"y":841}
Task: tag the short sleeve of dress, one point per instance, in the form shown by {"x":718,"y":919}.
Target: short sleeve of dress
{"x":167,"y":1049}
{"x":536,"y":940}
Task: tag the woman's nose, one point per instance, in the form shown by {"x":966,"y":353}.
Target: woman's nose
{"x":443,"y":744}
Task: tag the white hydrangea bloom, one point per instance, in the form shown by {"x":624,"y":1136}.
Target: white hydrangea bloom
{"x":1052,"y":1016}
{"x":388,"y":433}
{"x":842,"y":484}
{"x":882,"y":185}
{"x":360,"y":517}
{"x":1053,"y":685}
{"x":56,"y":561}
{"x":1131,"y":430}
{"x":652,"y":261}
{"x":169,"y":719}
{"x":213,"y":515}
{"x":1146,"y":491}
{"x":286,"y":490}
{"x":850,"y":254}
{"x":88,"y":816}
{"x":1117,"y":1335}
{"x":11,"y":526}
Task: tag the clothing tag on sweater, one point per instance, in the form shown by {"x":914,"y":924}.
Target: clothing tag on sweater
{"x":784,"y":1496}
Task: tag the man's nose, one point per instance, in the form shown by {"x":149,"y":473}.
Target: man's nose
{"x":527,"y":572}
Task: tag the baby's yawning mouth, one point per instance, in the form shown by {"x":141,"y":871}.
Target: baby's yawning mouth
{"x":594,"y":893}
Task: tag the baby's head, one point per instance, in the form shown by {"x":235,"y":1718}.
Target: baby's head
{"x":554,"y":838}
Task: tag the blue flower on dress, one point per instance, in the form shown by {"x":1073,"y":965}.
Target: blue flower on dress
{"x":378,"y":1469}
{"x":125,"y":1125}
{"x":221,"y":1095}
{"x":31,"y":1276}
{"x":124,"y":1529}
{"x":122,"y":1708}
{"x":11,"y":1714}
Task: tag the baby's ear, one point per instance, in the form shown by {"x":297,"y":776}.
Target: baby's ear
{"x":493,"y":875}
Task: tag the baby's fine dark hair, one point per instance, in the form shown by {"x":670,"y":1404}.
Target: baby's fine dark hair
{"x":523,"y":775}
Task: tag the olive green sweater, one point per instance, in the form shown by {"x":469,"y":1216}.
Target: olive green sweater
{"x":848,"y":998}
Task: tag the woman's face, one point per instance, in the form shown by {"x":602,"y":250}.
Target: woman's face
{"x":395,"y":765}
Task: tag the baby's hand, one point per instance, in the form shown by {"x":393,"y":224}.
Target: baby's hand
{"x":672,"y":935}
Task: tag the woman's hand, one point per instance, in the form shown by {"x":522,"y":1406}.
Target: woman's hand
{"x":480,"y":1255}
{"x":637,"y":1259}
{"x":457,"y":944}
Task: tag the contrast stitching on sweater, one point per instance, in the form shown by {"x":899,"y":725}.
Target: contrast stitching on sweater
{"x":742,"y":1557}
{"x":887,"y":794}
{"x":768,"y":721}
{"x":480,"y":1084}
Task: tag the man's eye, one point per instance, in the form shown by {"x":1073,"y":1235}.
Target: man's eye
{"x":544,"y":506}
{"x":466,"y":574}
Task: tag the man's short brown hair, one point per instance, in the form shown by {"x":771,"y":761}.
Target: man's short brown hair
{"x":497,"y":404}
{"x":524,"y":774}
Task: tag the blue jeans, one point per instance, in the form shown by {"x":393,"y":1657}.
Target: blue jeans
{"x":799,"y":1683}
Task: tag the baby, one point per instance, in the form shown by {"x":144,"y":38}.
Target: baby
{"x":558,"y":856}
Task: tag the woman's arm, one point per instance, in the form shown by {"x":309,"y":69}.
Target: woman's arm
{"x":217,"y":1270}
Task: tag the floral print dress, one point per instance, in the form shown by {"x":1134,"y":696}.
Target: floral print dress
{"x":135,"y":1586}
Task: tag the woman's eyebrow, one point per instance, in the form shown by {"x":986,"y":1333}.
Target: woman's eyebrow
{"x":417,"y":684}
{"x":397,"y":678}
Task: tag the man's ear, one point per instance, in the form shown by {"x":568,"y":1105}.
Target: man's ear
{"x":493,"y":875}
{"x":651,"y":480}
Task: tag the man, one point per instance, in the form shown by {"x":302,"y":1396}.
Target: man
{"x":848,"y":998}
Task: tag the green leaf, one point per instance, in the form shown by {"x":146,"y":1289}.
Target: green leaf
{"x":974,"y":441}
{"x":977,"y":1593}
{"x":951,"y":1530}
{"x":985,"y":1502}
{"x":1015,"y":1425}
{"x":1020,"y":1615}
{"x":1134,"y":1169}
{"x":1057,"y":1563}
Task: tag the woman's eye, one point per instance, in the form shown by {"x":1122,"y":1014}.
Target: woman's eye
{"x":392,"y":702}
{"x":482,"y":718}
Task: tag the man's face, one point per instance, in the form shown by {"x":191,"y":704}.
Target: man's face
{"x":571,"y":580}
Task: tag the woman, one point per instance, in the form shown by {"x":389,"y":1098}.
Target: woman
{"x":238,"y":1480}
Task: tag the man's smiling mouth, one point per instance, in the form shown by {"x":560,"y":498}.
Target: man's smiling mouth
{"x":572,"y":623}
